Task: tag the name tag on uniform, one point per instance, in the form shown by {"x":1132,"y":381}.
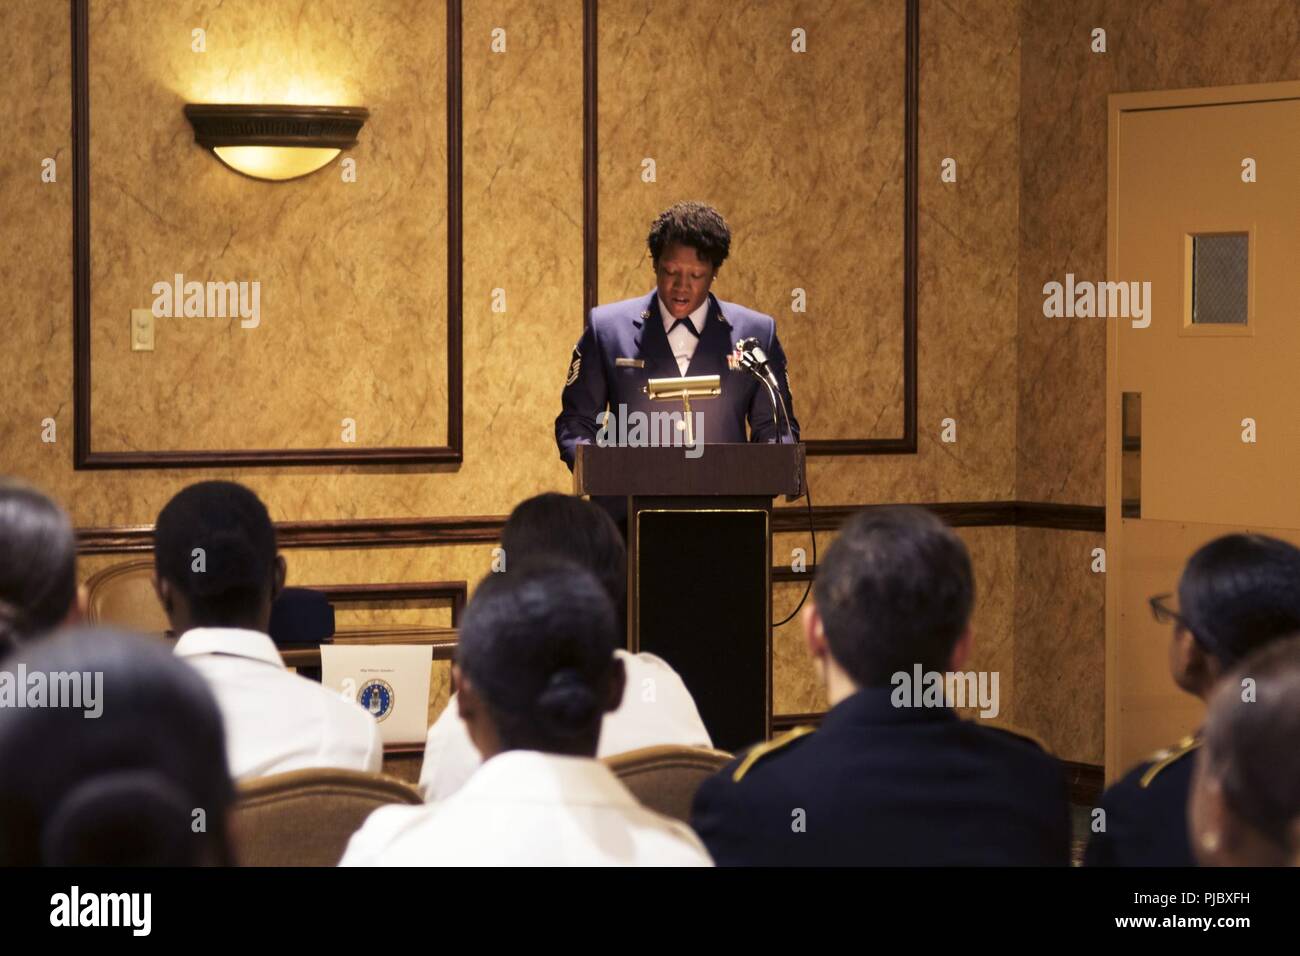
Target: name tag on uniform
{"x":629,"y":363}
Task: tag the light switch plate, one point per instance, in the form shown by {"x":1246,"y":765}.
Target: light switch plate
{"x":141,"y":330}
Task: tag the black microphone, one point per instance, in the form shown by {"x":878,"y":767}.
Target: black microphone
{"x":754,"y":358}
{"x":751,"y":357}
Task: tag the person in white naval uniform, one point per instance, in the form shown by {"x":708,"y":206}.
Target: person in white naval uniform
{"x":217,"y":574}
{"x":536,"y":669}
{"x":656,"y":707}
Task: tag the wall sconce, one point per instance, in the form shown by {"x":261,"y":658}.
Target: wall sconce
{"x":275,"y":142}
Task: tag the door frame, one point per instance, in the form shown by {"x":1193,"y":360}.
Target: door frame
{"x":1117,"y":104}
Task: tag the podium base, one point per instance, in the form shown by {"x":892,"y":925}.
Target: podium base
{"x":699,"y":596}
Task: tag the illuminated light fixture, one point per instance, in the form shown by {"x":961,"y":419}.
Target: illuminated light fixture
{"x":275,"y":142}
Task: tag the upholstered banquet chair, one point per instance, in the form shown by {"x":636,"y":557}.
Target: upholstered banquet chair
{"x":306,"y":817}
{"x":665,"y":778}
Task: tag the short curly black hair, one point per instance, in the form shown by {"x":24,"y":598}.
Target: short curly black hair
{"x":693,"y":224}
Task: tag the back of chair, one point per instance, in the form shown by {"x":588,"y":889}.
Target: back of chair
{"x":123,"y":595}
{"x":665,"y":778}
{"x":306,"y":817}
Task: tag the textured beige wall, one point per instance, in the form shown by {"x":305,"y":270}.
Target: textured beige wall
{"x":521,"y":181}
{"x":1061,"y":425}
{"x":36,"y":226}
{"x":522,"y":194}
{"x":352,"y":275}
{"x":804,"y":154}
{"x":1060,"y":641}
{"x":801,"y":152}
{"x":1156,"y":44}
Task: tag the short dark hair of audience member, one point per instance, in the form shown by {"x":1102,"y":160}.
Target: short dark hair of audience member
{"x":1236,"y":594}
{"x":535,"y":666}
{"x":894,"y":590}
{"x":215,"y":558}
{"x":38,"y":565}
{"x":1245,"y":802}
{"x":572,"y":528}
{"x":124,"y":788}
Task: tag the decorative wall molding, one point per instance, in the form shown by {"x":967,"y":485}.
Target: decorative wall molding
{"x":486,"y":529}
{"x":86,"y":458}
{"x":454,"y":591}
{"x":343,"y":533}
{"x":959,"y":514}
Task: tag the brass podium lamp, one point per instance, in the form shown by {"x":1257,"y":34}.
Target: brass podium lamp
{"x":694,"y":386}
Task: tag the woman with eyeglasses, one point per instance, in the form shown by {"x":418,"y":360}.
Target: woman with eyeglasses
{"x":1237,"y":594}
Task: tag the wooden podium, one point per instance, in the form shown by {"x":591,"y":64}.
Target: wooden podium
{"x":700,"y":568}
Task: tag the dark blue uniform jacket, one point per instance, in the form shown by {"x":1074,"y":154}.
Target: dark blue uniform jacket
{"x":877,"y":785}
{"x":1146,"y":813}
{"x":625,"y":345}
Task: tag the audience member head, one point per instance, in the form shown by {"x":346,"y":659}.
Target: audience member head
{"x":535,"y":664}
{"x":894,"y":590}
{"x":38,"y":565}
{"x":1245,"y":802}
{"x":215,"y":559}
{"x":572,"y":528}
{"x":1237,"y":593}
{"x":117,"y":778}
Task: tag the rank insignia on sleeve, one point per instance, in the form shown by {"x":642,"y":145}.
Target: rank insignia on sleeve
{"x":574,"y":368}
{"x":760,"y":751}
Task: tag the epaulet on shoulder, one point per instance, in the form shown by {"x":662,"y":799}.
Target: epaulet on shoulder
{"x":1022,"y":735}
{"x":1162,"y":759}
{"x":759,"y":751}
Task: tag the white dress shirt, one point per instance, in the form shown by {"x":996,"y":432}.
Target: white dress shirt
{"x":680,"y":339}
{"x":277,"y":721}
{"x":656,"y":709}
{"x":527,"y":808}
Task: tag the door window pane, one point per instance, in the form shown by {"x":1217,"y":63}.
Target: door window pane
{"x":1219,"y":271}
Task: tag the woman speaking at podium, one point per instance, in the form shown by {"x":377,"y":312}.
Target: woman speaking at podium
{"x":679,"y":329}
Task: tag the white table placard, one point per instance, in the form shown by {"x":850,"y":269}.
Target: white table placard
{"x":390,"y":681}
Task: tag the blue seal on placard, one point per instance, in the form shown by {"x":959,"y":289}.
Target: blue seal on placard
{"x":377,"y":697}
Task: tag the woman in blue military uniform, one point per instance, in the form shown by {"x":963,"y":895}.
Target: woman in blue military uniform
{"x":679,"y":329}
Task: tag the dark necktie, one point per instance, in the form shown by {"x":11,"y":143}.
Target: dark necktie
{"x":686,"y":322}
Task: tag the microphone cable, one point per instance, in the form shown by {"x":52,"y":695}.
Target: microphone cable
{"x":812,"y":531}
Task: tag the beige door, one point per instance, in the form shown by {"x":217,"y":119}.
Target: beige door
{"x":1203,"y":420}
